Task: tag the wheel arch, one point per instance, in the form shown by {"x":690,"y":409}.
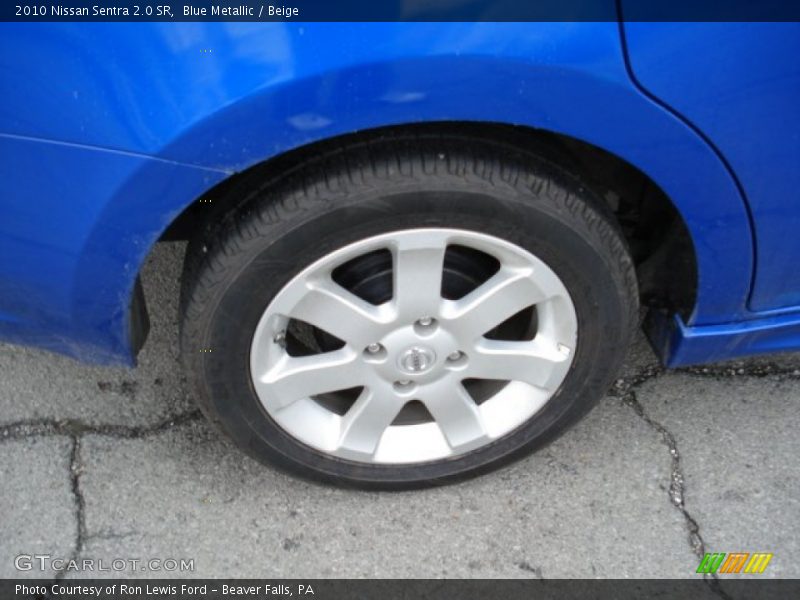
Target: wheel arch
{"x":594,"y":111}
{"x":655,"y":231}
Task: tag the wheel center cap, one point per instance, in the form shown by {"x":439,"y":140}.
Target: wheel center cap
{"x":416,"y":359}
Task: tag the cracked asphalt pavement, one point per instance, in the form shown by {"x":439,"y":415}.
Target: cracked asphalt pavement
{"x":107,"y":463}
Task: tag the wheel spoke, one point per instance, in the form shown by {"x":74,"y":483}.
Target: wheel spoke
{"x":296,"y":377}
{"x":456,"y":414}
{"x":502,"y":296}
{"x":534,"y":362}
{"x":418,"y":268}
{"x":365,"y":422}
{"x":332,"y":308}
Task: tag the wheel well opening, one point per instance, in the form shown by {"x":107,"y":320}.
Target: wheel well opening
{"x":656,"y":234}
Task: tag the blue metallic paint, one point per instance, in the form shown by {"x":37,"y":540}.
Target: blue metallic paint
{"x":680,"y":345}
{"x":113,"y":129}
{"x":739,"y":83}
{"x":76,"y":226}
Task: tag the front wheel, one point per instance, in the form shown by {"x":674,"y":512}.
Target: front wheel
{"x":408,"y":313}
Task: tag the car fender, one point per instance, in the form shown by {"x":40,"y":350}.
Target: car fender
{"x":321,"y":80}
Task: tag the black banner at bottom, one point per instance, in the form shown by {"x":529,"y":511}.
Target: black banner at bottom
{"x":388,"y":589}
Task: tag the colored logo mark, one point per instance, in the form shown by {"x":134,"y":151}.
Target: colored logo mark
{"x":736,"y":562}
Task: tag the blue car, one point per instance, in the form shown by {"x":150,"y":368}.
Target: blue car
{"x":416,"y":251}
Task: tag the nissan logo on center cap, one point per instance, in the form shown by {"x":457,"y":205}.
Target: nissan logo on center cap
{"x":417,"y":359}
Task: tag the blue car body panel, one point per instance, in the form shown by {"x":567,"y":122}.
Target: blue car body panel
{"x":108,"y":131}
{"x":739,"y":83}
{"x":75,"y":226}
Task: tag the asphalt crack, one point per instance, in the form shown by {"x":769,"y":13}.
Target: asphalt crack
{"x":677,"y":489}
{"x":625,"y":389}
{"x":752,"y":371}
{"x":75,"y":472}
{"x":75,"y":430}
{"x":536,"y":571}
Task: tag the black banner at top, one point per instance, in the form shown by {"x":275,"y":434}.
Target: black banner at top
{"x":400,"y":10}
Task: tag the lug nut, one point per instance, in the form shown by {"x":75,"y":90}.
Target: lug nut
{"x":404,"y":387}
{"x":425,"y":321}
{"x":374,"y":348}
{"x":454,"y":356}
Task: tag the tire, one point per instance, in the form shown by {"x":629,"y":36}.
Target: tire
{"x":243,"y":272}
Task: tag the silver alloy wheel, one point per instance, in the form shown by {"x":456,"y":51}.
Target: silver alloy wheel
{"x":417,"y":346}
